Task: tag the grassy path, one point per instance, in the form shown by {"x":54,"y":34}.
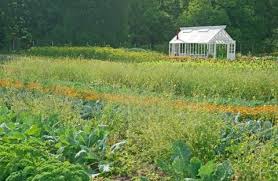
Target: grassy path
{"x":142,"y":101}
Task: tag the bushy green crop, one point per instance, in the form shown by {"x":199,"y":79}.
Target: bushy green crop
{"x":44,"y":148}
{"x":30,"y":161}
{"x":182,"y":165}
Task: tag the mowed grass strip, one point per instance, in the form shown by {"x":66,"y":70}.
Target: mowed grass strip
{"x":142,"y":101}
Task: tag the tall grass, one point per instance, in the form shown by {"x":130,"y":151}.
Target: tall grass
{"x":100,"y":53}
{"x":238,"y":80}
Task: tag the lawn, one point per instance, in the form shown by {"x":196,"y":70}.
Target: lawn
{"x":81,"y":113}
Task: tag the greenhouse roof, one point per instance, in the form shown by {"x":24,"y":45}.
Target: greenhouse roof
{"x":202,"y":34}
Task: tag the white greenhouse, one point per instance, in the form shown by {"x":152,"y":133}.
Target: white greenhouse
{"x":203,"y":42}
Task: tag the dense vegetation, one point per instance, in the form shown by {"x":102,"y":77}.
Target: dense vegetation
{"x":79,"y":110}
{"x":99,"y":53}
{"x":63,"y":21}
{"x":254,"y":81}
{"x":45,"y":136}
{"x":252,"y":23}
{"x":66,"y":116}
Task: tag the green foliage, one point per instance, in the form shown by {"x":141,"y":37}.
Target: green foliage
{"x":252,"y":24}
{"x":253,"y":81}
{"x":45,"y":136}
{"x":99,"y":53}
{"x":63,"y":21}
{"x":31,"y":161}
{"x":207,"y":170}
{"x":46,"y":149}
{"x":251,"y":146}
{"x":91,"y":109}
{"x":183,"y":166}
{"x":148,"y":24}
{"x":223,"y":171}
{"x":16,"y":21}
{"x":212,"y":171}
{"x":137,"y":23}
{"x":200,"y":12}
{"x":236,"y":132}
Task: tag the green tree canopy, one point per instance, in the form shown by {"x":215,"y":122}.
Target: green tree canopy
{"x":253,"y":23}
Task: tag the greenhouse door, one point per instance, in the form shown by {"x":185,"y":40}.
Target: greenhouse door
{"x":221,"y":51}
{"x":231,"y":51}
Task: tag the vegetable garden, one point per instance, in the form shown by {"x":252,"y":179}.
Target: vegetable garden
{"x":135,"y":115}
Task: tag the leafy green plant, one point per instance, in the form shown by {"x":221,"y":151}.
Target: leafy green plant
{"x":212,"y":171}
{"x":182,"y":165}
{"x":251,"y":145}
{"x":236,"y":132}
{"x":31,"y":161}
{"x":63,"y":152}
{"x":90,"y":109}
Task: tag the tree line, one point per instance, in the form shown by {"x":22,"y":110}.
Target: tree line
{"x":253,"y":23}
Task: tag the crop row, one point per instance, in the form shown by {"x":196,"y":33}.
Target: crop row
{"x":99,"y":53}
{"x":142,"y":101}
